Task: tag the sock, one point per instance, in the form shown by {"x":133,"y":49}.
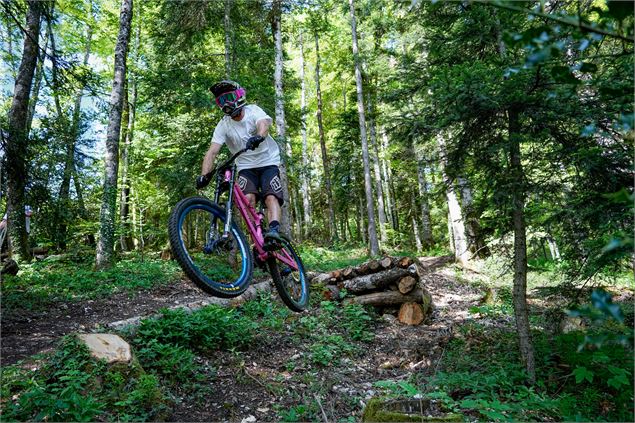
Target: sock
{"x":273,"y":225}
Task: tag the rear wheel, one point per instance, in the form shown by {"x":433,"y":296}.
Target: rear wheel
{"x":221,"y":266}
{"x":290,"y":280}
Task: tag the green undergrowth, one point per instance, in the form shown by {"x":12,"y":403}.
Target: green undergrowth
{"x":69,"y":385}
{"x":174,"y":359}
{"x":320,"y":259}
{"x":41,"y":284}
{"x":581,"y":376}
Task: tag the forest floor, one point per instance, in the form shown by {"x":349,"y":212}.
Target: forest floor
{"x":264,"y":373}
{"x":287,"y":373}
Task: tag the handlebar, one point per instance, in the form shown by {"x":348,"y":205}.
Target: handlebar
{"x":225,"y":164}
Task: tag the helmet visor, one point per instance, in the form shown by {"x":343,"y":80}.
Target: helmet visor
{"x":230,"y":98}
{"x":226,"y":98}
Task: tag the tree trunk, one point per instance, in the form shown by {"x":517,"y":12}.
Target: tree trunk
{"x":83,"y":213}
{"x":71,"y":142}
{"x":104,"y":258}
{"x":35,"y":93}
{"x":426,"y":220}
{"x":361,"y":221}
{"x":18,"y":137}
{"x":304,"y":175}
{"x":461,"y":251}
{"x":475,"y":238}
{"x":553,"y":248}
{"x":378,"y":182}
{"x":227,"y":22}
{"x":451,"y":234}
{"x":325,"y":159}
{"x":415,"y":225}
{"x":280,"y":118}
{"x":385,"y":182}
{"x":125,"y":239}
{"x":372,"y":231}
{"x":390,"y":187}
{"x":520,"y":246}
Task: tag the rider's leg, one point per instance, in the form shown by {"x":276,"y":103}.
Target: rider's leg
{"x":252,"y":199}
{"x":273,"y":208}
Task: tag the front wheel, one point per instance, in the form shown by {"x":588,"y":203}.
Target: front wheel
{"x":287,"y":272}
{"x":221,"y":266}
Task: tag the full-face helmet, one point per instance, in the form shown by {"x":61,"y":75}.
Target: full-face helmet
{"x":230,"y":97}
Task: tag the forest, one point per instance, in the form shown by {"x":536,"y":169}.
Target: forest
{"x":481,"y":148}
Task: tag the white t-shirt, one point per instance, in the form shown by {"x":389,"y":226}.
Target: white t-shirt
{"x":236,"y":134}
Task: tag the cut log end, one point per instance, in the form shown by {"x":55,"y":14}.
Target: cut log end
{"x":407,"y":284}
{"x":411,"y":314}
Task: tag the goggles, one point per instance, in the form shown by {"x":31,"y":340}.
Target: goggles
{"x":229,"y":98}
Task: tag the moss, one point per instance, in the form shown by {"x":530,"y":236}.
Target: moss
{"x":379,"y":410}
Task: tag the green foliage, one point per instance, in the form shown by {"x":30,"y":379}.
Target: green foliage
{"x":175,"y":365}
{"x":399,"y":388}
{"x":480,"y":376}
{"x":204,"y":330}
{"x":272,"y":316}
{"x":72,"y":386}
{"x":607,"y":319}
{"x":320,"y":259}
{"x":42,"y":284}
{"x":357,"y":322}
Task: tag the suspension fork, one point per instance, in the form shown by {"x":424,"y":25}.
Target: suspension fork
{"x":221,"y":179}
{"x":230,"y":202}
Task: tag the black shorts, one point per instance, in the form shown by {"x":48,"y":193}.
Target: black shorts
{"x":262,"y":181}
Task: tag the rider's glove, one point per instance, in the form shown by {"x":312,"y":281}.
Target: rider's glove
{"x":202,"y":181}
{"x":254,"y":142}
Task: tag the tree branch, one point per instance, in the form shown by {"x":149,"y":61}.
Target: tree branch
{"x":566,"y":21}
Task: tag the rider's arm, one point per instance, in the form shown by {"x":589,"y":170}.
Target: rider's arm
{"x":210,"y":157}
{"x":262,"y":127}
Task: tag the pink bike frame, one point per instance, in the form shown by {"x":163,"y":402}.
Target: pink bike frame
{"x":254,"y":226}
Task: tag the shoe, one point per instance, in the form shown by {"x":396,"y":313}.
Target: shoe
{"x":272,"y":239}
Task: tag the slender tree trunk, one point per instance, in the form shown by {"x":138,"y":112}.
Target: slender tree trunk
{"x":304,"y":175}
{"x":71,"y":142}
{"x":35,"y":93}
{"x":476,"y":242}
{"x":372,"y":231}
{"x":553,"y":248}
{"x":362,"y":219}
{"x":520,"y":246}
{"x":415,"y":224}
{"x":451,"y":234}
{"x":130,"y":108}
{"x":426,"y":220}
{"x":378,"y":182}
{"x":18,"y":137}
{"x":325,"y":158}
{"x":280,"y":118}
{"x":104,"y":258}
{"x":461,"y":251}
{"x":390,"y":186}
{"x":385,"y":183}
{"x":228,"y":22}
{"x":83,"y":213}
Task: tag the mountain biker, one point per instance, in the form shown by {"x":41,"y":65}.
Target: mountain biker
{"x":247,"y":126}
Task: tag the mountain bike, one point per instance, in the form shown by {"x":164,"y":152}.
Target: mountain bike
{"x":213,"y":252}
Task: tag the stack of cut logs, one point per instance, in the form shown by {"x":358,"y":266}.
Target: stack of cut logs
{"x":390,"y":284}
